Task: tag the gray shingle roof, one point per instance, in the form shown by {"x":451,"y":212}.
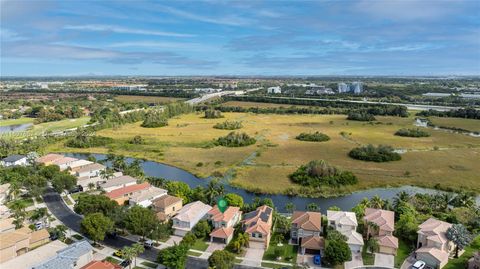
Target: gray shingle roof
{"x":66,"y":257}
{"x":13,"y":158}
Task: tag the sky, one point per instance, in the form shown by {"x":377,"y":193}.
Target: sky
{"x":268,"y":38}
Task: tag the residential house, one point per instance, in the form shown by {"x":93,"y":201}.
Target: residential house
{"x":14,"y":160}
{"x":145,"y":197}
{"x":434,"y":248}
{"x":118,"y":182}
{"x":64,"y":162}
{"x":89,"y":170}
{"x":101,"y":265}
{"x":4,"y":188}
{"x":346,"y":223}
{"x":18,"y":242}
{"x":258,"y":224}
{"x":49,"y":158}
{"x":6,"y":225}
{"x":79,"y":162}
{"x":223,"y":223}
{"x":166,"y":207}
{"x":123,"y":194}
{"x":86,"y":181}
{"x":36,"y":256}
{"x":189,"y":216}
{"x":75,"y":256}
{"x":306,"y":231}
{"x":380,"y":225}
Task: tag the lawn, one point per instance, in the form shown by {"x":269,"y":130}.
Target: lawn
{"x":200,"y":245}
{"x":273,"y":265}
{"x":402,"y":253}
{"x":193,"y":253}
{"x":368,"y":258}
{"x":462,"y":260}
{"x":146,"y":99}
{"x":27,"y":202}
{"x":467,"y":124}
{"x":186,"y":141}
{"x":149,"y":264}
{"x":53,"y":126}
{"x":113,"y":260}
{"x":289,"y":252}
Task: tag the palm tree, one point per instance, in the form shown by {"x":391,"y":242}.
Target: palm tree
{"x":14,"y":189}
{"x":372,"y":245}
{"x":61,"y":231}
{"x":312,"y":207}
{"x":214,"y":190}
{"x":290,"y":207}
{"x":377,"y":202}
{"x":402,"y":196}
{"x":106,"y":173}
{"x":39,"y":214}
{"x":137,"y":249}
{"x":128,"y":253}
{"x":19,"y":213}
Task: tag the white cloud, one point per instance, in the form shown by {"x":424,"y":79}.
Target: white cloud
{"x":226,"y":20}
{"x":7,"y":35}
{"x":122,"y":30}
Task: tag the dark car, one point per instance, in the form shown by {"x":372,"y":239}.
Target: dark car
{"x":125,"y":263}
{"x":75,"y":189}
{"x":112,"y":235}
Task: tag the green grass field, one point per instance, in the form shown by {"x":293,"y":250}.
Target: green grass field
{"x":44,"y":127}
{"x":16,"y":121}
{"x":444,"y":159}
{"x":461,"y":261}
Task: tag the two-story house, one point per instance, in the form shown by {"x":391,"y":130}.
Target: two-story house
{"x":306,"y":231}
{"x":166,"y":207}
{"x":189,"y":216}
{"x":223,"y":223}
{"x":380,"y":225}
{"x":433,"y":246}
{"x":346,"y":223}
{"x":258,"y":224}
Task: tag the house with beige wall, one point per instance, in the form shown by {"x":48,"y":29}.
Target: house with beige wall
{"x":18,"y":242}
{"x":380,"y":225}
{"x":306,"y":231}
{"x":258,"y":224}
{"x":434,"y":248}
{"x":166,"y":207}
{"x":223,"y":223}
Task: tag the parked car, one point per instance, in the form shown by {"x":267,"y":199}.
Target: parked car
{"x":38,"y":226}
{"x":125,"y":263}
{"x":148,"y":244}
{"x":118,"y":253}
{"x":419,"y":265}
{"x":112,"y":235}
{"x":76,"y":189}
{"x":317,"y":259}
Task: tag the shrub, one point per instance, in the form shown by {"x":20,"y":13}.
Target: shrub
{"x":319,"y":173}
{"x":371,"y":153}
{"x":360,"y":116}
{"x":137,"y":140}
{"x":236,"y":140}
{"x":313,"y":137}
{"x":213,"y":114}
{"x":221,"y":259}
{"x":155,"y":119}
{"x":228,"y":125}
{"x":412,"y":133}
{"x":88,"y":142}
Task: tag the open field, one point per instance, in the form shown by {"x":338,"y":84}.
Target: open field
{"x":145,"y":99}
{"x":467,"y":124}
{"x":256,"y":104}
{"x":22,"y":120}
{"x":447,"y":159}
{"x":44,"y":127}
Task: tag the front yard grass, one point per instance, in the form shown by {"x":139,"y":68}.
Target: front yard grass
{"x":461,"y":261}
{"x":149,"y":264}
{"x":273,"y":265}
{"x":402,"y":253}
{"x":368,"y":258}
{"x":200,"y":245}
{"x":193,"y":253}
{"x":289,"y":252}
{"x":27,"y":202}
{"x":66,"y":200}
{"x":112,"y":260}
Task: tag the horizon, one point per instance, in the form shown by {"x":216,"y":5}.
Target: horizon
{"x":240,"y":39}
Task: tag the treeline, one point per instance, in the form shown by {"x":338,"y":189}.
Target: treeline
{"x":360,"y":116}
{"x":159,"y":118}
{"x":467,"y":113}
{"x":162,"y":93}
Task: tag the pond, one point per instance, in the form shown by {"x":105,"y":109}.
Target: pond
{"x":15,"y":128}
{"x":345,"y":202}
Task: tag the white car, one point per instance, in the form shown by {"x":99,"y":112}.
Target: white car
{"x":419,"y":265}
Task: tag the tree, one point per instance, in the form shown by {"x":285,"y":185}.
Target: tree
{"x":290,"y":207}
{"x":39,"y":214}
{"x":173,"y":257}
{"x":337,"y":252}
{"x":63,"y":181}
{"x":202,"y":229}
{"x":221,"y":259}
{"x":234,"y":199}
{"x":377,"y":202}
{"x":334,"y":208}
{"x":161,"y":231}
{"x":93,"y":203}
{"x":95,"y":226}
{"x":60,"y":231}
{"x":407,"y":226}
{"x":91,"y":186}
{"x":140,"y":220}
{"x":312,"y":207}
{"x":372,"y":245}
{"x":106,"y":173}
{"x":214,"y":190}
{"x":18,"y":207}
{"x":459,"y":235}
{"x":128,"y":252}
{"x":137,"y":250}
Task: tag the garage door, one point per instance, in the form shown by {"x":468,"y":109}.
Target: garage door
{"x":355,"y":248}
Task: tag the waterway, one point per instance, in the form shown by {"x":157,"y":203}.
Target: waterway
{"x":345,"y":202}
{"x":15,"y":128}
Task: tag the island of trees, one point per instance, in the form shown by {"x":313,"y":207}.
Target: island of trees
{"x":360,"y":116}
{"x":228,"y":125}
{"x":412,"y":133}
{"x":370,"y":153}
{"x":234,"y":139}
{"x":320,"y":173}
{"x":313,"y":137}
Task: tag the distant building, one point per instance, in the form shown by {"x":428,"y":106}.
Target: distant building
{"x":14,"y":160}
{"x":207,"y":90}
{"x":356,"y":87}
{"x":74,"y":256}
{"x":274,"y":90}
{"x":343,"y":87}
{"x":130,"y":87}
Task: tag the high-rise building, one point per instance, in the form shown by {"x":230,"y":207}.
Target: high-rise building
{"x":343,"y":87}
{"x":356,"y":87}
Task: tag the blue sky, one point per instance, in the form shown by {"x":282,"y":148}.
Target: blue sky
{"x":363,"y":37}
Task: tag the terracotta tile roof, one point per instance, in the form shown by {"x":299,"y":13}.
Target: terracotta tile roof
{"x":222,"y":232}
{"x":126,"y":190}
{"x":161,"y":216}
{"x":311,"y":221}
{"x":147,"y":194}
{"x":258,"y":221}
{"x":39,"y":236}
{"x":49,"y":158}
{"x":353,"y":238}
{"x":64,"y":160}
{"x":384,"y":219}
{"x":88,"y":167}
{"x":313,"y":242}
{"x":435,"y":230}
{"x":101,"y":265}
{"x":192,"y":211}
{"x":438,"y":254}
{"x":166,"y":201}
{"x":7,"y":224}
{"x":226,"y":216}
{"x":119,"y":181}
{"x":388,"y":241}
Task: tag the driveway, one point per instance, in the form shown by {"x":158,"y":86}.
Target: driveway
{"x":254,"y":254}
{"x":357,"y":261}
{"x":408,"y":262}
{"x":384,"y":260}
{"x":174,"y":239}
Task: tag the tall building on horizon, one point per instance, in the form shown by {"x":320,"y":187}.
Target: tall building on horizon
{"x":343,"y":87}
{"x":356,"y":87}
